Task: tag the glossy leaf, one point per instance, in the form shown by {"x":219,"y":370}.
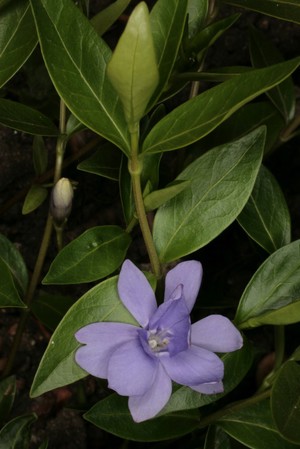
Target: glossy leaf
{"x":197,"y":13}
{"x":133,"y":69}
{"x":266,"y":217}
{"x":285,"y":401}
{"x":236,"y":365}
{"x":112,"y":414}
{"x":17,"y":38}
{"x":51,"y":308}
{"x":23,"y":118}
{"x":282,"y":9}
{"x":264,"y":53}
{"x":36,"y":195}
{"x":77,"y":68}
{"x":40,"y":155}
{"x":93,"y":255}
{"x":157,"y":198}
{"x":221,"y":182}
{"x":197,"y":117}
{"x":14,"y":261}
{"x":105,"y":162}
{"x":9,"y":295}
{"x":106,"y":17}
{"x":7,"y":396}
{"x":274,"y":286}
{"x":16,"y":433}
{"x":253,"y":426}
{"x":167,"y":23}
{"x":57,"y":367}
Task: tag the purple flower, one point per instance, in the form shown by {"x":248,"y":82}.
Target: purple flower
{"x":141,"y":362}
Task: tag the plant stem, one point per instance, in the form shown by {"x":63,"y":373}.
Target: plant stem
{"x":210,"y":419}
{"x":279,"y":342}
{"x":135,"y":169}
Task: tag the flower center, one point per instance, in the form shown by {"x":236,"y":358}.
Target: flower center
{"x":158,"y":341}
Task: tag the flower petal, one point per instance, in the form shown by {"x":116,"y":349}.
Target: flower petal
{"x":130,"y":370}
{"x":189,"y":274}
{"x":194,"y":366}
{"x":136,"y":293}
{"x":149,"y":404}
{"x":101,"y":339}
{"x":216,"y":333}
{"x":209,"y":388}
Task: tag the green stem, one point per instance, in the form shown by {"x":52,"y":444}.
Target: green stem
{"x":210,"y":419}
{"x":135,"y":169}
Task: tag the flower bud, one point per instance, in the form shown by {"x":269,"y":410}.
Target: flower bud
{"x":61,"y":200}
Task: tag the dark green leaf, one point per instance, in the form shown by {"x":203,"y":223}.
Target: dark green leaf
{"x":93,"y":255}
{"x":216,"y":438}
{"x":15,"y":262}
{"x":73,"y":125}
{"x":36,"y":195}
{"x":157,"y":198}
{"x":16,"y":433}
{"x":220,"y":184}
{"x":105,"y":18}
{"x":112,"y":414}
{"x":274,"y":287}
{"x":264,"y":53}
{"x":282,"y":9}
{"x":199,"y":116}
{"x":266,"y":216}
{"x":17,"y":38}
{"x":7,"y":396}
{"x":253,"y":426}
{"x":105,"y":162}
{"x":236,"y":365}
{"x":23,"y":118}
{"x":197,"y":14}
{"x":57,"y":367}
{"x":51,"y":308}
{"x":77,"y":68}
{"x":9,"y":295}
{"x":40,"y":155}
{"x":285,"y":401}
{"x":167,"y":23}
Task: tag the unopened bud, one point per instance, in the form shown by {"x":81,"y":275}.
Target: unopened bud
{"x":61,"y":200}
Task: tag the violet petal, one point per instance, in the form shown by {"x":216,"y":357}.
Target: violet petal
{"x":136,"y":293}
{"x":216,"y":333}
{"x":209,"y":388}
{"x":100,"y":340}
{"x":149,"y":404}
{"x":194,"y":366}
{"x":130,"y":370}
{"x":189,"y":274}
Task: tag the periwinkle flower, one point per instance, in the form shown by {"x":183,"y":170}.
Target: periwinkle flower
{"x":141,"y":362}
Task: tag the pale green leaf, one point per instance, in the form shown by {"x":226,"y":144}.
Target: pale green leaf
{"x":36,"y":195}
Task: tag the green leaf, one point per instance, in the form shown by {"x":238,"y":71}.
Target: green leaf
{"x":51,"y":308}
{"x":133,"y":69}
{"x":77,"y":68}
{"x":157,"y":198}
{"x":23,"y":118}
{"x":264,"y":53}
{"x":285,"y":401}
{"x":253,"y":426}
{"x":282,"y":9}
{"x":105,"y":18}
{"x":112,"y":415}
{"x":266,"y":217}
{"x":17,"y":38}
{"x":36,"y":195}
{"x":93,"y":255}
{"x":236,"y":366}
{"x":168,"y":19}
{"x":197,"y":14}
{"x":57,"y":367}
{"x":220,"y":184}
{"x":7,"y":396}
{"x":105,"y":162}
{"x":15,"y":262}
{"x":9,"y":295}
{"x":284,"y":315}
{"x":197,"y":117}
{"x":216,"y":438}
{"x":16,"y":433}
{"x":275,"y":285}
{"x":40,"y":155}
